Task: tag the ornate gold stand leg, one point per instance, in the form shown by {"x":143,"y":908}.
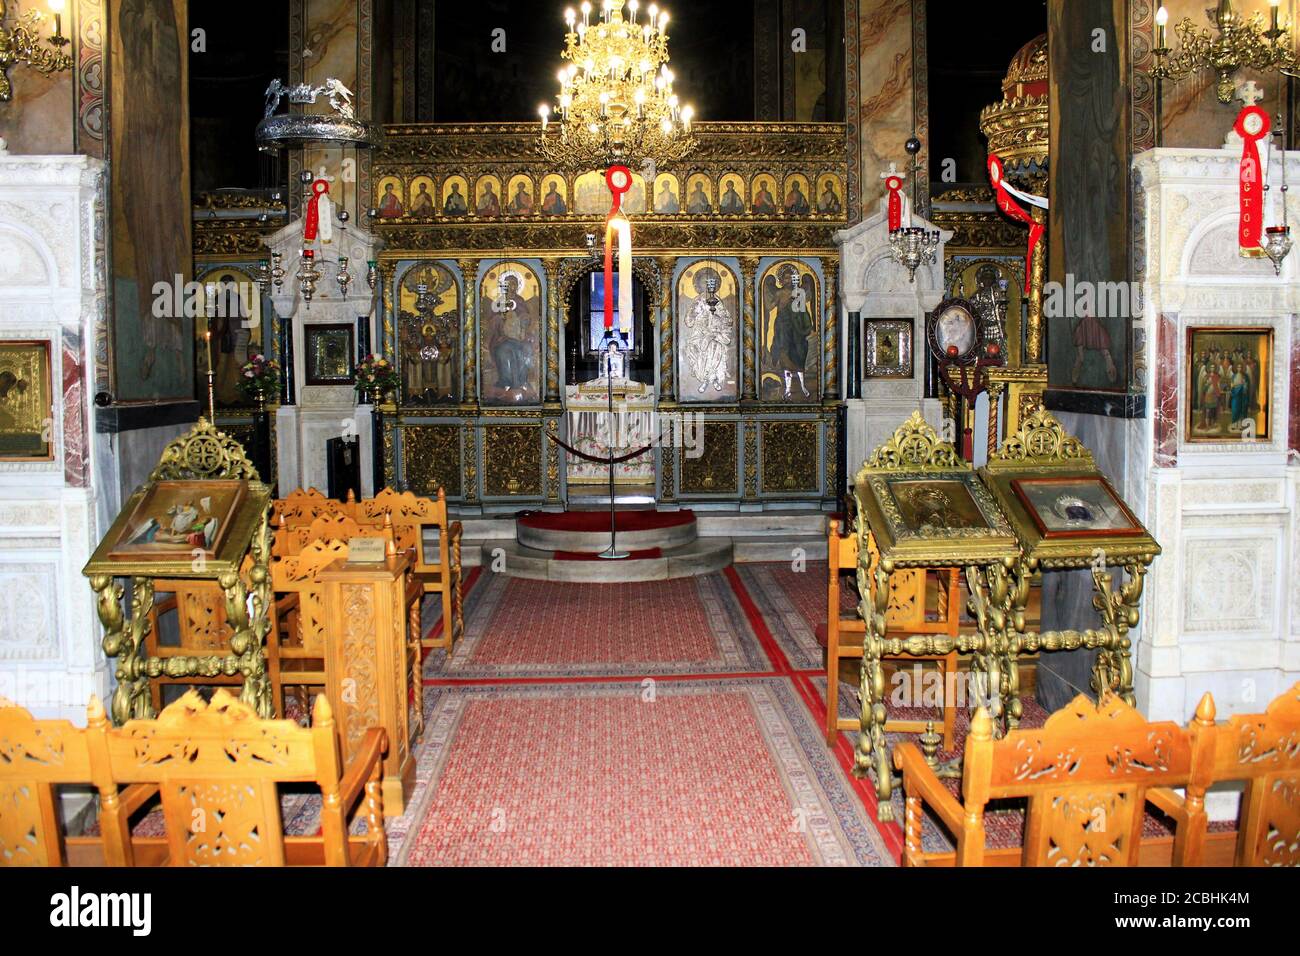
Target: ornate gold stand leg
{"x":871,"y":746}
{"x":124,"y":640}
{"x":1113,"y":669}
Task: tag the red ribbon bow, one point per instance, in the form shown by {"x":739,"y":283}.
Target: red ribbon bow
{"x":1014,"y":210}
{"x":1252,"y":126}
{"x":619,"y":180}
{"x":895,"y":185}
{"x":312,"y":223}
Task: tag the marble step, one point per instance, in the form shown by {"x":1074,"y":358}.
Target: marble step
{"x":544,"y":539}
{"x":779,"y":548}
{"x":762,"y":524}
{"x":698,"y":557}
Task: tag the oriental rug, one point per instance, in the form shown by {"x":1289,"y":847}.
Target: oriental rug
{"x":520,"y":628}
{"x":709,"y":772}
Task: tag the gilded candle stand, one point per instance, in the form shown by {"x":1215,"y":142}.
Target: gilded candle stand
{"x":219,"y":572}
{"x":925,"y":509}
{"x":1066,"y":516}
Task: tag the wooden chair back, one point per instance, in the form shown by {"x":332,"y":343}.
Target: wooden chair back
{"x":302,"y":507}
{"x":437,"y":571}
{"x":36,"y":756}
{"x":1086,"y":775}
{"x":217,"y":767}
{"x":296,"y":574}
{"x":289,"y":541}
{"x":1264,"y":751}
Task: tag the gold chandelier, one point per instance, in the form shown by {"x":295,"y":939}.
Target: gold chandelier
{"x":616,"y":103}
{"x":1241,"y":43}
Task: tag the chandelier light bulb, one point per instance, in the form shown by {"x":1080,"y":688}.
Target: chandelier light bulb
{"x":663,"y":21}
{"x":570,"y":17}
{"x":1162,"y":17}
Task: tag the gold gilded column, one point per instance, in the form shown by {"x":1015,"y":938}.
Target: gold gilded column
{"x":1037,"y":275}
{"x":748,"y":269}
{"x":830,"y":330}
{"x":667,"y":378}
{"x":552,"y":267}
{"x":469,"y":346}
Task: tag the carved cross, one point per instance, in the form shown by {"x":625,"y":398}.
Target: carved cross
{"x":893,"y":170}
{"x":1249,"y":92}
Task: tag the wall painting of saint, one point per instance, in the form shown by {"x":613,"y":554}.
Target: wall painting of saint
{"x":510,"y":355}
{"x":789,"y":338}
{"x":428,"y":328}
{"x":455,"y":197}
{"x":391,"y":201}
{"x":237,"y":333}
{"x":707,"y":333}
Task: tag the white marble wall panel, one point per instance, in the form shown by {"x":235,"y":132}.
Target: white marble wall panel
{"x":1220,"y":605}
{"x":52,"y":289}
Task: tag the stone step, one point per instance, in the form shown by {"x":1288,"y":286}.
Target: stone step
{"x":762,"y":524}
{"x":544,"y":539}
{"x":698,"y":557}
{"x":779,"y":548}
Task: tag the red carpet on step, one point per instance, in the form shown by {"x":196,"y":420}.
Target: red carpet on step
{"x":599,"y":520}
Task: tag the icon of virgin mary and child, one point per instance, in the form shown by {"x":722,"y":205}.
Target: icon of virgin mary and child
{"x":510,"y":336}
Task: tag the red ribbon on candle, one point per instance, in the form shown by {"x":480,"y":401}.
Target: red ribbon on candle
{"x":619,"y":180}
{"x":311,"y":224}
{"x":895,"y":185}
{"x":1015,"y":211}
{"x":1252,"y":126}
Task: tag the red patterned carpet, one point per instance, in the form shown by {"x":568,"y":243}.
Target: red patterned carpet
{"x":711,"y":773}
{"x":520,"y":628}
{"x":658,"y":723}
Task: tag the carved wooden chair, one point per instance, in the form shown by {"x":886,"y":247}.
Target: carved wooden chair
{"x":1087,"y":776}
{"x":906,"y":615}
{"x":217,"y":767}
{"x":1264,"y":751}
{"x":36,"y":758}
{"x":440,"y":574}
{"x":300,"y":630}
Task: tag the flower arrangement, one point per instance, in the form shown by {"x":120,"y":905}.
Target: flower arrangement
{"x":375,"y":374}
{"x":259,"y":377}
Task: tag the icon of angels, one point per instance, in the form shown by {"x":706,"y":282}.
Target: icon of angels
{"x":797,"y":201}
{"x":731,"y":198}
{"x":429,"y":334}
{"x":455,"y":193}
{"x":788,"y":329}
{"x":390,"y":202}
{"x":520,"y":198}
{"x":764,"y":196}
{"x":706,"y":333}
{"x":668,"y":194}
{"x":509,"y":340}
{"x":634,"y":202}
{"x":422,"y":202}
{"x":234,"y":304}
{"x":699,"y":195}
{"x":591,"y":194}
{"x":554,"y":195}
{"x":830,"y":195}
{"x":487,"y":197}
